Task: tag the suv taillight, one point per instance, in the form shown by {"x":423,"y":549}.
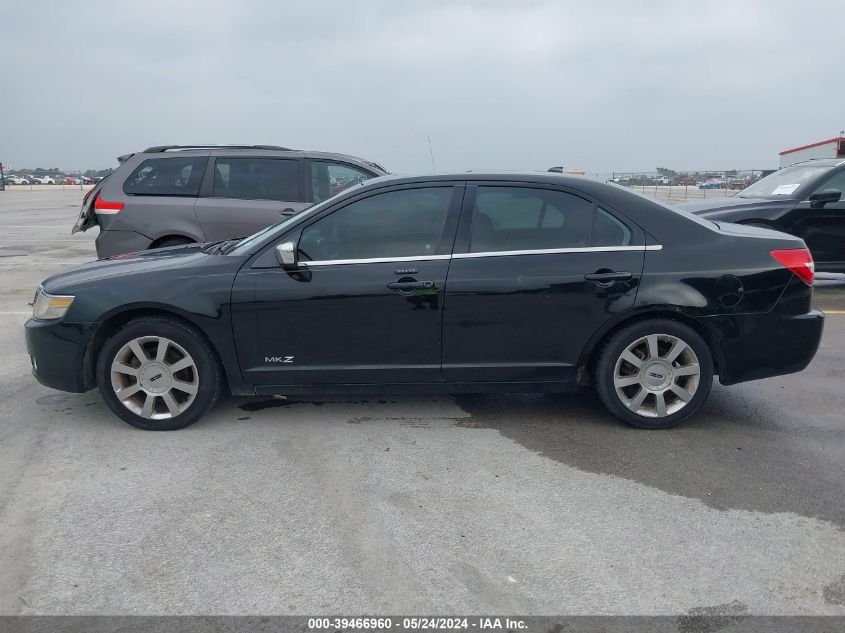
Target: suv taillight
{"x":106,"y":207}
{"x":798,"y":260}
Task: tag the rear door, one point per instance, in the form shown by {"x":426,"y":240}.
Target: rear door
{"x":535,"y":272}
{"x":244,"y":194}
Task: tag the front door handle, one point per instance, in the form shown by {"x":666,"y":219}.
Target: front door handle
{"x":410,"y":285}
{"x":287,"y":211}
{"x":608,"y":277}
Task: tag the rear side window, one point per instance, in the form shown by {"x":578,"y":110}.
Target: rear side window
{"x":175,"y":176}
{"x":517,"y":218}
{"x":257,"y":178}
{"x":610,"y":231}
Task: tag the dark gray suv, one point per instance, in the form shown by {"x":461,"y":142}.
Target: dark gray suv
{"x":170,"y":195}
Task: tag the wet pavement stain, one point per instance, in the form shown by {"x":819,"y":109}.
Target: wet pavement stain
{"x":729,"y":456}
{"x":834,"y":593}
{"x":711,"y":619}
{"x":260,"y":405}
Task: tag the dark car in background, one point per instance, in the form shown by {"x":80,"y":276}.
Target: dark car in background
{"x":804,"y":199}
{"x":438,"y":284}
{"x":171,"y":195}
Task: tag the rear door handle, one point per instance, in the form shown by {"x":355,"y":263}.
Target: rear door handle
{"x":410,"y":285}
{"x":608,"y":277}
{"x":287,"y":211}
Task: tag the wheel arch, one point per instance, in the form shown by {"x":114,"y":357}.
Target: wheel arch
{"x":114,"y":321}
{"x":157,"y":242}
{"x":591,"y":351}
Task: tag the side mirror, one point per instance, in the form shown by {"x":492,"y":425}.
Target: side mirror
{"x":286,"y":254}
{"x":821,"y":198}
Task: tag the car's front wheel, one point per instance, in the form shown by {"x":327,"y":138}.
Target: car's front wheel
{"x":158,"y":374}
{"x":654,"y":374}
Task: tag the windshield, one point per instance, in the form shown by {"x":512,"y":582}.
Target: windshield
{"x":783,"y":182}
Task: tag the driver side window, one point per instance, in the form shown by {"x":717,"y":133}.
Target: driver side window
{"x":836,"y":181}
{"x":405,"y":223}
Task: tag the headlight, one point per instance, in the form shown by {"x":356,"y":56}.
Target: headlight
{"x":50,"y":306}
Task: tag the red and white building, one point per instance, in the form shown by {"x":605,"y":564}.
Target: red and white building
{"x":831,"y":148}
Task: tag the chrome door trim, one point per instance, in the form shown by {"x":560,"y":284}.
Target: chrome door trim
{"x":425,"y":258}
{"x":554,"y":251}
{"x":374,"y":260}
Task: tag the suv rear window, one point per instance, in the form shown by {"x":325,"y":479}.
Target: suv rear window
{"x":257,"y":178}
{"x":176,"y":176}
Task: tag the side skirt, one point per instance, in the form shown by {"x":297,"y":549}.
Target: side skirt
{"x":569,"y":386}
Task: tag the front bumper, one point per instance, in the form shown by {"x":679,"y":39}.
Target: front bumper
{"x":759,"y":346}
{"x":111,"y":243}
{"x":57,"y":352}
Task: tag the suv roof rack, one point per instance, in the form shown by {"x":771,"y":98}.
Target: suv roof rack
{"x":164,"y":148}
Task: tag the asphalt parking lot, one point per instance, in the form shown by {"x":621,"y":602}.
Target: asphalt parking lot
{"x":467,"y":504}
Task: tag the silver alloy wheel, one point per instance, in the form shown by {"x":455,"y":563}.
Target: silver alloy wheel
{"x":657,"y":375}
{"x":154,"y":377}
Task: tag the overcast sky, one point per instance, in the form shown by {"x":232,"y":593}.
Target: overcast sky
{"x":510,"y":85}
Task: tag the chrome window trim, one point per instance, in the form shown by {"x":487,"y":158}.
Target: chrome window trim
{"x":374,"y":260}
{"x":554,"y":251}
{"x":425,"y":258}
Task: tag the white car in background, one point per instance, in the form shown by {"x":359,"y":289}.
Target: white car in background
{"x":45,"y":180}
{"x":17,"y":180}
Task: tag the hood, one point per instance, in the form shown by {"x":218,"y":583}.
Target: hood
{"x":127,"y":264}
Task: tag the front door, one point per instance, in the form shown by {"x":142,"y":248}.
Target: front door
{"x":535,"y":273}
{"x":249,"y":194}
{"x":823,"y":228}
{"x":365,"y":305}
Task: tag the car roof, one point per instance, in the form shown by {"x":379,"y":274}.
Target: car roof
{"x":584,"y":183}
{"x":823,"y":162}
{"x":254,"y":150}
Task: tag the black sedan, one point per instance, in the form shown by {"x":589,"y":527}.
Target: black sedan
{"x":439,"y":284}
{"x":804,"y":199}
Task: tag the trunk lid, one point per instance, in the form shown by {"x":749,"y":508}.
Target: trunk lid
{"x":778,"y":239}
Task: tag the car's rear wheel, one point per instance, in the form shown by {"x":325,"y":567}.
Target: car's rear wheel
{"x":654,"y":374}
{"x":158,"y":374}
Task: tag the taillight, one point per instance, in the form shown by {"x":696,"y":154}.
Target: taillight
{"x":106,"y":207}
{"x":798,"y":260}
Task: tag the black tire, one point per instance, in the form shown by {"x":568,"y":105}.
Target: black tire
{"x":173,"y":241}
{"x":611,"y":353}
{"x":205,"y":368}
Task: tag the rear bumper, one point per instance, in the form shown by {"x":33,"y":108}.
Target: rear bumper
{"x":111,"y":243}
{"x":57,"y":350}
{"x":759,"y":346}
